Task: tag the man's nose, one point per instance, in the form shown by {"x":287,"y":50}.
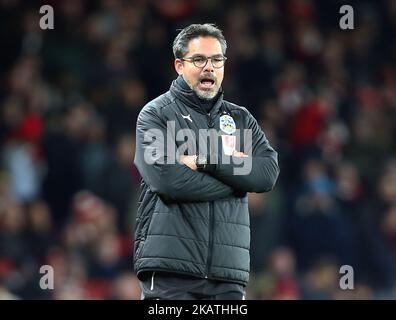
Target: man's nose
{"x":209,"y":67}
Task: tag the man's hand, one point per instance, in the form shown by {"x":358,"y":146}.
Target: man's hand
{"x":239,"y":154}
{"x":189,"y":161}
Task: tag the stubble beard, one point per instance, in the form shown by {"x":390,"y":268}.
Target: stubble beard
{"x":206,"y":94}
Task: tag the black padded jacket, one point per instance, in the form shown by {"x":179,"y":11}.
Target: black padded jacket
{"x":192,"y":222}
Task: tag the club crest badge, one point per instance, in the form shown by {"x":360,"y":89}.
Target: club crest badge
{"x":227,"y":124}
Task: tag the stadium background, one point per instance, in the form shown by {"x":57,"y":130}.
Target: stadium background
{"x":325,"y":97}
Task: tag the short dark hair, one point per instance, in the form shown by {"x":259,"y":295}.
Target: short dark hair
{"x":180,"y":44}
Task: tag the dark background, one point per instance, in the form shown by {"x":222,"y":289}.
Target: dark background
{"x":325,"y":97}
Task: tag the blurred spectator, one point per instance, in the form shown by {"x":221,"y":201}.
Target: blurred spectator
{"x":126,"y":287}
{"x":321,"y":281}
{"x":283,"y":270}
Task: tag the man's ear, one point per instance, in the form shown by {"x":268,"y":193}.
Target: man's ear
{"x":179,"y":66}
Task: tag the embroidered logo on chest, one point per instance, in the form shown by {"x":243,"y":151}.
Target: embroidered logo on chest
{"x":227,"y":124}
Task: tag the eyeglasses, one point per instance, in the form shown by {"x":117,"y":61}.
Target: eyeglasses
{"x":201,"y":61}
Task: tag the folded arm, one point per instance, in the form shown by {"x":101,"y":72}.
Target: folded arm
{"x":256,"y":170}
{"x":172,"y":181}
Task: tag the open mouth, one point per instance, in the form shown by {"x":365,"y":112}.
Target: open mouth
{"x":207,"y":83}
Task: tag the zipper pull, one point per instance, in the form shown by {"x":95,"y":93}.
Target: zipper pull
{"x":210,"y":122}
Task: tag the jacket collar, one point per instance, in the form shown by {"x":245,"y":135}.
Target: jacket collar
{"x":191,"y":100}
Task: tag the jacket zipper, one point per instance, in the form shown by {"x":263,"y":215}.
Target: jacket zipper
{"x":210,"y":246}
{"x":211,"y":218}
{"x":210,"y":121}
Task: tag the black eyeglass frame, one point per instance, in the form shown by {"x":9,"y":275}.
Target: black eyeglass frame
{"x":193,"y":61}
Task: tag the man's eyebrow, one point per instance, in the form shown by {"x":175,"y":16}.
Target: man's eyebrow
{"x":217,"y":55}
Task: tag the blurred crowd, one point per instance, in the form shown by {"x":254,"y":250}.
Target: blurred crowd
{"x":325,"y":97}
